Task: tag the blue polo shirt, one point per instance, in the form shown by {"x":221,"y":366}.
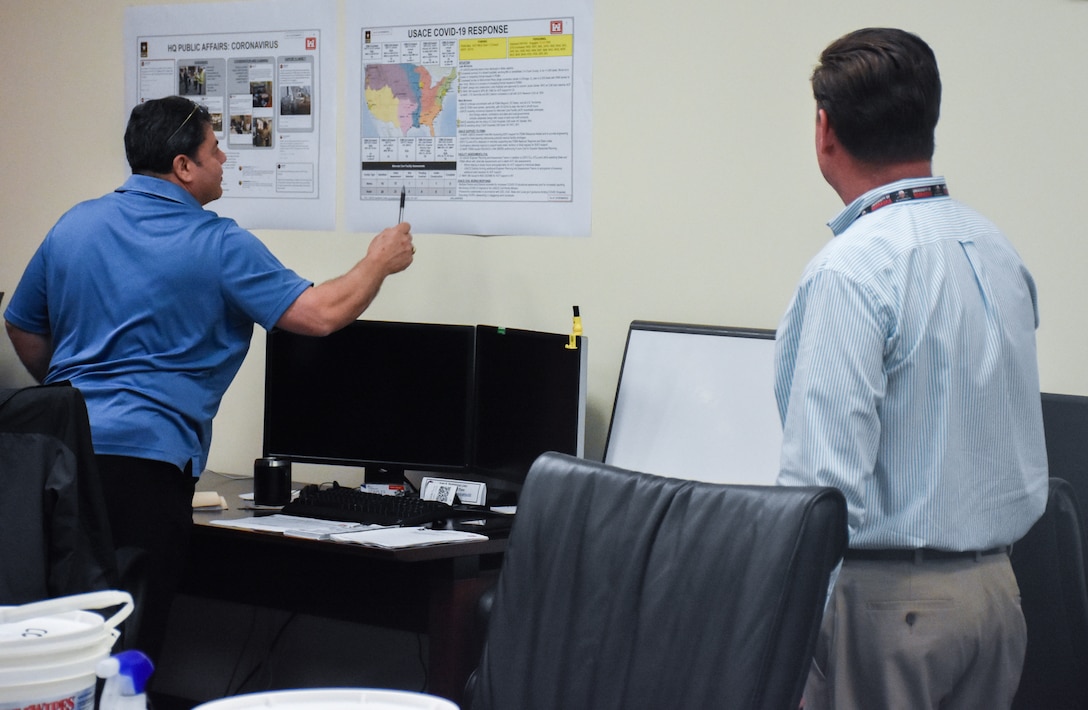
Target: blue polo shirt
{"x":150,"y":301}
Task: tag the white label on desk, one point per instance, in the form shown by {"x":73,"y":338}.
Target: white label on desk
{"x":443,"y":490}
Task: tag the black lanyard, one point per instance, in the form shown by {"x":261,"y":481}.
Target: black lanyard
{"x":906,"y":195}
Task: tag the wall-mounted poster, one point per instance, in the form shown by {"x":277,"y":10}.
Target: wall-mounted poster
{"x":479,"y":111}
{"x":266,"y":73}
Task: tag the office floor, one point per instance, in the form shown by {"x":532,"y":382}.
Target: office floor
{"x":220,"y":649}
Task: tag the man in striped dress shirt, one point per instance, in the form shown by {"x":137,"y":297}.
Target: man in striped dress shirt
{"x":906,"y":376}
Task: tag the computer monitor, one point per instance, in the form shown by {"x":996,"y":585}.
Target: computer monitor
{"x":530,"y":398}
{"x":697,"y":402}
{"x":386,"y":396}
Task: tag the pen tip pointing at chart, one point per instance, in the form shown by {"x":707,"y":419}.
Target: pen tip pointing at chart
{"x":400,"y":217}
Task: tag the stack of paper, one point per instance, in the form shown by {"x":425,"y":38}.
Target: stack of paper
{"x":393,"y":538}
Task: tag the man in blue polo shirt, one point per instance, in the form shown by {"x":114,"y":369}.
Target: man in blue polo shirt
{"x":146,"y":302}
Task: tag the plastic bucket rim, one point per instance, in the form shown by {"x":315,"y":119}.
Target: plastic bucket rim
{"x":291,"y":699}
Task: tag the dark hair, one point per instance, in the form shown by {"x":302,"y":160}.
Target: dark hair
{"x":161,"y":129}
{"x":882,"y":94}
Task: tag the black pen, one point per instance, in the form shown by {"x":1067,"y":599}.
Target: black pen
{"x":400,"y":217}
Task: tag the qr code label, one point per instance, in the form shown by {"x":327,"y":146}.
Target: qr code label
{"x":446,"y":493}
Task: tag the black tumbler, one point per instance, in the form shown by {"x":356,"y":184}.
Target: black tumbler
{"x":271,"y":481}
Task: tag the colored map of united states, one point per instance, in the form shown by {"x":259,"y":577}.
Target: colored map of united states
{"x":406,"y":95}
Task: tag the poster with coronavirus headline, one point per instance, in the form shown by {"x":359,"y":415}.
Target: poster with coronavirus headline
{"x":266,"y":73}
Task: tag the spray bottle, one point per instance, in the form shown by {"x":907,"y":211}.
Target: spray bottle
{"x":126,"y":675}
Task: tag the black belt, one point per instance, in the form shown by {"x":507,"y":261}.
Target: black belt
{"x":921,"y":554}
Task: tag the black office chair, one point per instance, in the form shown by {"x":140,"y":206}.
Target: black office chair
{"x":1065,"y":423}
{"x":56,"y":538}
{"x":627,"y":590}
{"x":1049,"y":567}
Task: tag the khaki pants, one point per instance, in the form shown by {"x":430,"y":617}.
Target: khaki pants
{"x":945,"y":634}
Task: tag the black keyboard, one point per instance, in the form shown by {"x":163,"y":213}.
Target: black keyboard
{"x":352,"y":505}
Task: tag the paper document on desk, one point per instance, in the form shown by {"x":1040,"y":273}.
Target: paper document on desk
{"x":396,"y":538}
{"x":294,"y":526}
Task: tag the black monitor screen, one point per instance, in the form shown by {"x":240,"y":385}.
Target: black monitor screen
{"x":387,"y":396}
{"x":530,"y":398}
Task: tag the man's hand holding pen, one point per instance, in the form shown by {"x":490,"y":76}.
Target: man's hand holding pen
{"x":392,"y":248}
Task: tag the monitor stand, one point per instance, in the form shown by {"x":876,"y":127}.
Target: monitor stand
{"x":500,"y":497}
{"x":386,"y":475}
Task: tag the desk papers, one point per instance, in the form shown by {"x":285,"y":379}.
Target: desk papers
{"x":335,"y":531}
{"x":394,"y":538}
{"x":290,"y":525}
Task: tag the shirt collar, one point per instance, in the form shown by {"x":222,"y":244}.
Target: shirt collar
{"x":157,"y":187}
{"x":855,"y":209}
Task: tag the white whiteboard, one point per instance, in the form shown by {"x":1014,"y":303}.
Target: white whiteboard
{"x":697,"y":402}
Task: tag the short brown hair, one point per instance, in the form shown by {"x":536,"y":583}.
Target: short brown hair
{"x":881,"y":91}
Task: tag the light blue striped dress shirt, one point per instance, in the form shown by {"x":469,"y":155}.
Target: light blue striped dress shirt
{"x":906,"y":376}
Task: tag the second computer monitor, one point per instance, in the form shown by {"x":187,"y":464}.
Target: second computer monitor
{"x":697,"y":402}
{"x":530,"y":398}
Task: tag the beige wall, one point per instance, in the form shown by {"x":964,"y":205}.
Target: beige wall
{"x":707,"y":199}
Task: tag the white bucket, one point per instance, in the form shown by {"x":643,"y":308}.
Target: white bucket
{"x":332,"y":699}
{"x":49,"y":650}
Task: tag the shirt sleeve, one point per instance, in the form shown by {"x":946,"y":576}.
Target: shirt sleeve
{"x":28,"y":309}
{"x":255,"y":281}
{"x":829,"y":384}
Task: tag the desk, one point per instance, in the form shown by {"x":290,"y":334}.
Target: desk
{"x":431,"y":590}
